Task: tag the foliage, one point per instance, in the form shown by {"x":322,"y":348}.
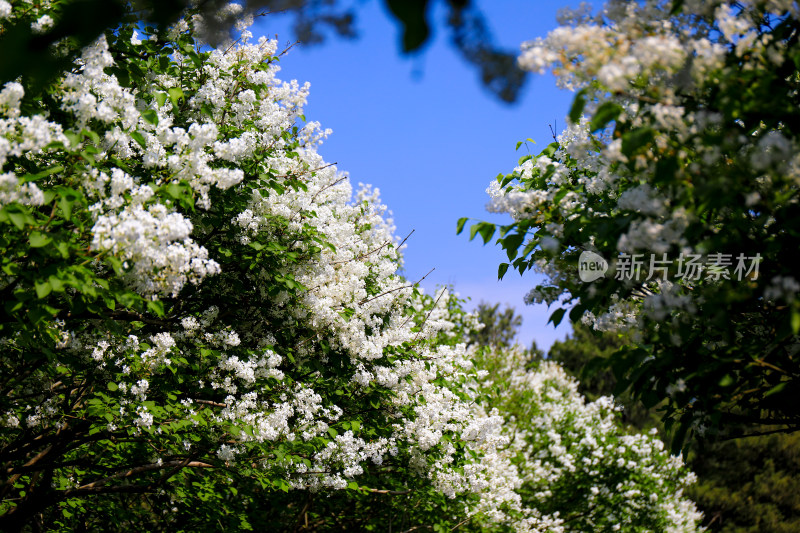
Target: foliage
{"x":680,"y":182}
{"x":557,"y":441}
{"x":583,"y":355}
{"x":499,"y":327}
{"x":749,"y":484}
{"x":743,"y":485}
{"x":203,"y":330}
{"x":82,"y":21}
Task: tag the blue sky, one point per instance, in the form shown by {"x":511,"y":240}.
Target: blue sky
{"x":425,"y":132}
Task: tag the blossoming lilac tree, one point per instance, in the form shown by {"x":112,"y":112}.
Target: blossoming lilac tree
{"x":678,"y":178}
{"x":203,"y":330}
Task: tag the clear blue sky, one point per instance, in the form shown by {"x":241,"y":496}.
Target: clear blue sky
{"x":425,"y":132}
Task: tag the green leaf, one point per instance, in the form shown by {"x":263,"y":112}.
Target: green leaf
{"x":501,"y":270}
{"x":607,"y":112}
{"x":112,"y":386}
{"x":633,"y":140}
{"x":557,"y":316}
{"x":776,"y":389}
{"x":139,"y":138}
{"x":560,"y":195}
{"x":726,"y":381}
{"x":63,"y":249}
{"x":43,"y":288}
{"x":176,"y":190}
{"x":56,"y":283}
{"x":175,"y":94}
{"x":38,"y":240}
{"x":504,"y":180}
{"x":486,"y":229}
{"x":89,"y":157}
{"x":578,"y":104}
{"x":473,"y":231}
{"x":511,"y":243}
{"x":460,"y":225}
{"x":33,"y":177}
{"x":679,"y":436}
{"x":161,"y":98}
{"x":66,"y":207}
{"x":150,"y":116}
{"x":73,"y":138}
{"x":91,"y":135}
{"x":156,"y":307}
{"x":18,"y":215}
{"x":68,"y":198}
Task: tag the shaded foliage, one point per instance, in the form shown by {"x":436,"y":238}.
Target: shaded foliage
{"x":584,"y":355}
{"x":749,"y":485}
{"x":744,"y":485}
{"x":84,"y":20}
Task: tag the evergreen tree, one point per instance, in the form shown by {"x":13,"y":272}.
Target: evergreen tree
{"x":744,"y":485}
{"x":499,"y":327}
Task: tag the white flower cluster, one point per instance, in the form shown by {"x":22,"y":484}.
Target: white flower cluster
{"x":5,"y":9}
{"x":21,"y":136}
{"x":557,"y":439}
{"x":157,"y":245}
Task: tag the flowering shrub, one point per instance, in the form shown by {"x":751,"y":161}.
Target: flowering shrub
{"x":202,"y":329}
{"x":678,"y":178}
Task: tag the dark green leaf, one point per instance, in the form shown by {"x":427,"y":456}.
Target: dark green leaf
{"x":486,"y":230}
{"x":557,"y":316}
{"x":501,"y":270}
{"x":607,"y":112}
{"x":412,"y":14}
{"x":776,"y":389}
{"x":636,"y":139}
{"x":578,"y":103}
